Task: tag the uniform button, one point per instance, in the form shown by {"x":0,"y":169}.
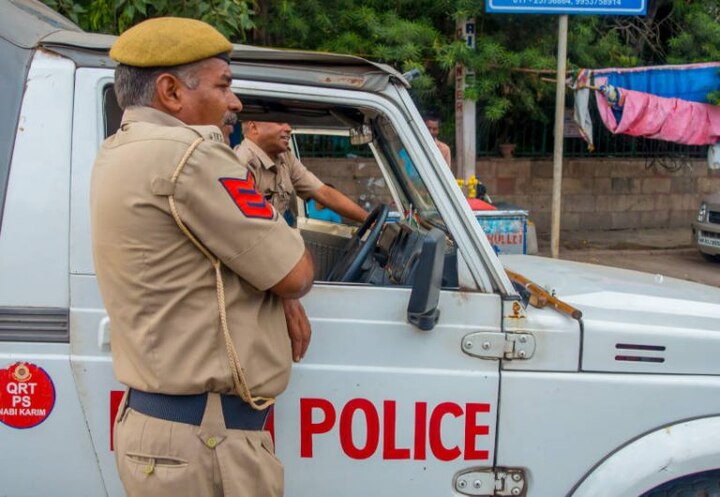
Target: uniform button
{"x":212,"y":442}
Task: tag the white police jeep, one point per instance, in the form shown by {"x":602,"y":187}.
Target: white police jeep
{"x":433,"y":371}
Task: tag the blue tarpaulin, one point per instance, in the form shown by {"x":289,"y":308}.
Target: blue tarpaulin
{"x":691,"y":82}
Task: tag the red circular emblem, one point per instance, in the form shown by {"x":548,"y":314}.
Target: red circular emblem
{"x":27,"y":395}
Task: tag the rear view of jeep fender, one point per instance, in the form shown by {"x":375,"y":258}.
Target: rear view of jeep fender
{"x":658,"y":457}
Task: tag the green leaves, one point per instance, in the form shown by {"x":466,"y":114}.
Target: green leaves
{"x":496,"y":108}
{"x":514,"y":56}
{"x":72,"y":10}
{"x":714,"y":97}
{"x":696,"y":36}
{"x":233,"y":18}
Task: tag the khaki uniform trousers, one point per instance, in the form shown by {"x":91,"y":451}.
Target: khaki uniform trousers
{"x":158,"y":458}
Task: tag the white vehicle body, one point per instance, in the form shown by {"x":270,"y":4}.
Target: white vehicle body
{"x":498,"y":398}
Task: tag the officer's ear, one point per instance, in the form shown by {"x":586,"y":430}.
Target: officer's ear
{"x":168,"y":90}
{"x":247,"y":127}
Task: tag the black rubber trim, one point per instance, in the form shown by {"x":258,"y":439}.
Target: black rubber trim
{"x":34,"y":324}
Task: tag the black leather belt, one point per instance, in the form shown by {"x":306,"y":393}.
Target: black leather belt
{"x":189,"y":409}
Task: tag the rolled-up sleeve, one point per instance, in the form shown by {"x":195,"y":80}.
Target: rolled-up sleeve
{"x":304,"y":182}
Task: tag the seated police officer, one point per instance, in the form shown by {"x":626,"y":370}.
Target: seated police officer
{"x":193,"y":266}
{"x":279,"y":175}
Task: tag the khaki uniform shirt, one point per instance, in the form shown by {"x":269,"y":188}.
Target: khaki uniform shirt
{"x":277,"y":180}
{"x":159,"y":289}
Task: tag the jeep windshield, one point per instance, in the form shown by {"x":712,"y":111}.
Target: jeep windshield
{"x":416,"y":198}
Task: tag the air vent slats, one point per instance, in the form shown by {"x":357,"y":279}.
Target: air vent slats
{"x":34,"y":324}
{"x":641,"y":352}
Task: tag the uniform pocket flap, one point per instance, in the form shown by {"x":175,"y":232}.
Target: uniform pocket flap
{"x":162,"y":186}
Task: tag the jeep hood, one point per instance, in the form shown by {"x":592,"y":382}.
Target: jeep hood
{"x":633,"y":321}
{"x":571,"y":280}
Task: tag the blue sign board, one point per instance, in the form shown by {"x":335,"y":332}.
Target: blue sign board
{"x":588,"y":7}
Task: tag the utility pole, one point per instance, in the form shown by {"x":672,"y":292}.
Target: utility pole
{"x":465,"y":114}
{"x":559,"y":136}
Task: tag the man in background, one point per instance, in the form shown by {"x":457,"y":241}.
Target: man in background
{"x":433,"y":125}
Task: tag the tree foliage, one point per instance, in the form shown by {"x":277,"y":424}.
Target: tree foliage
{"x":512,"y":64}
{"x":403,"y":33}
{"x":515,"y":54}
{"x":231,"y":17}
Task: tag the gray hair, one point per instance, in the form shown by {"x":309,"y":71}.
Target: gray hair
{"x":136,"y":85}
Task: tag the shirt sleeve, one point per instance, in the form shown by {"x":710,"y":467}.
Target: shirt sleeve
{"x":216,"y":199}
{"x":244,"y":153}
{"x":304,"y":182}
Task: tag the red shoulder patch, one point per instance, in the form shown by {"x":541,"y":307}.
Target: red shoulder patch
{"x":247,"y":198}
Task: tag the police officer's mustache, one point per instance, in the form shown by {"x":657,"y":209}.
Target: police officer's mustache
{"x":230,"y":119}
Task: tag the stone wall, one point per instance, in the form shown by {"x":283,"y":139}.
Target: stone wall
{"x":596,"y":193}
{"x":602,"y":193}
{"x":358,"y":178}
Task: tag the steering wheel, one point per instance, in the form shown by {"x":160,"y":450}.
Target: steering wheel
{"x":357,"y":250}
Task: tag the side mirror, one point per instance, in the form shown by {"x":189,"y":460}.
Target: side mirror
{"x":422,"y":310}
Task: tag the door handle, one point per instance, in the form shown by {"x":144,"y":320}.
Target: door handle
{"x":104,"y":333}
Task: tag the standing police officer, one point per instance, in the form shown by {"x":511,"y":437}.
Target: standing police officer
{"x":193,"y":266}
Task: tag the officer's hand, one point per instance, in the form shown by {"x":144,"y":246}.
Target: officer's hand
{"x":298,"y":327}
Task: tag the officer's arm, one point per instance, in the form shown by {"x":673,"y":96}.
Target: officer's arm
{"x":299,"y":328}
{"x":298,"y":281}
{"x":339,"y":203}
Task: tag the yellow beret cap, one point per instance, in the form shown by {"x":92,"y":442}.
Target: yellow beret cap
{"x":168,"y":41}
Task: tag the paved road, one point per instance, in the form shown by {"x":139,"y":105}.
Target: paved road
{"x":667,"y":251}
{"x":686,"y":264}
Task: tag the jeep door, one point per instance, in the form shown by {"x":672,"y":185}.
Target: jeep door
{"x":378,"y":406}
{"x":376,"y":400}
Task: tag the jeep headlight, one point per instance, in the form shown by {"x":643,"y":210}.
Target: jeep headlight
{"x":702,"y":212}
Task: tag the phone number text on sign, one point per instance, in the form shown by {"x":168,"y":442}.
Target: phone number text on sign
{"x":577,"y":3}
{"x":594,"y":7}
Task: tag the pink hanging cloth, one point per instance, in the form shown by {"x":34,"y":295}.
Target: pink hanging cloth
{"x":669,"y":119}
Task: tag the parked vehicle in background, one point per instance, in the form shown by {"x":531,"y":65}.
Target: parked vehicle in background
{"x":706,"y":227}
